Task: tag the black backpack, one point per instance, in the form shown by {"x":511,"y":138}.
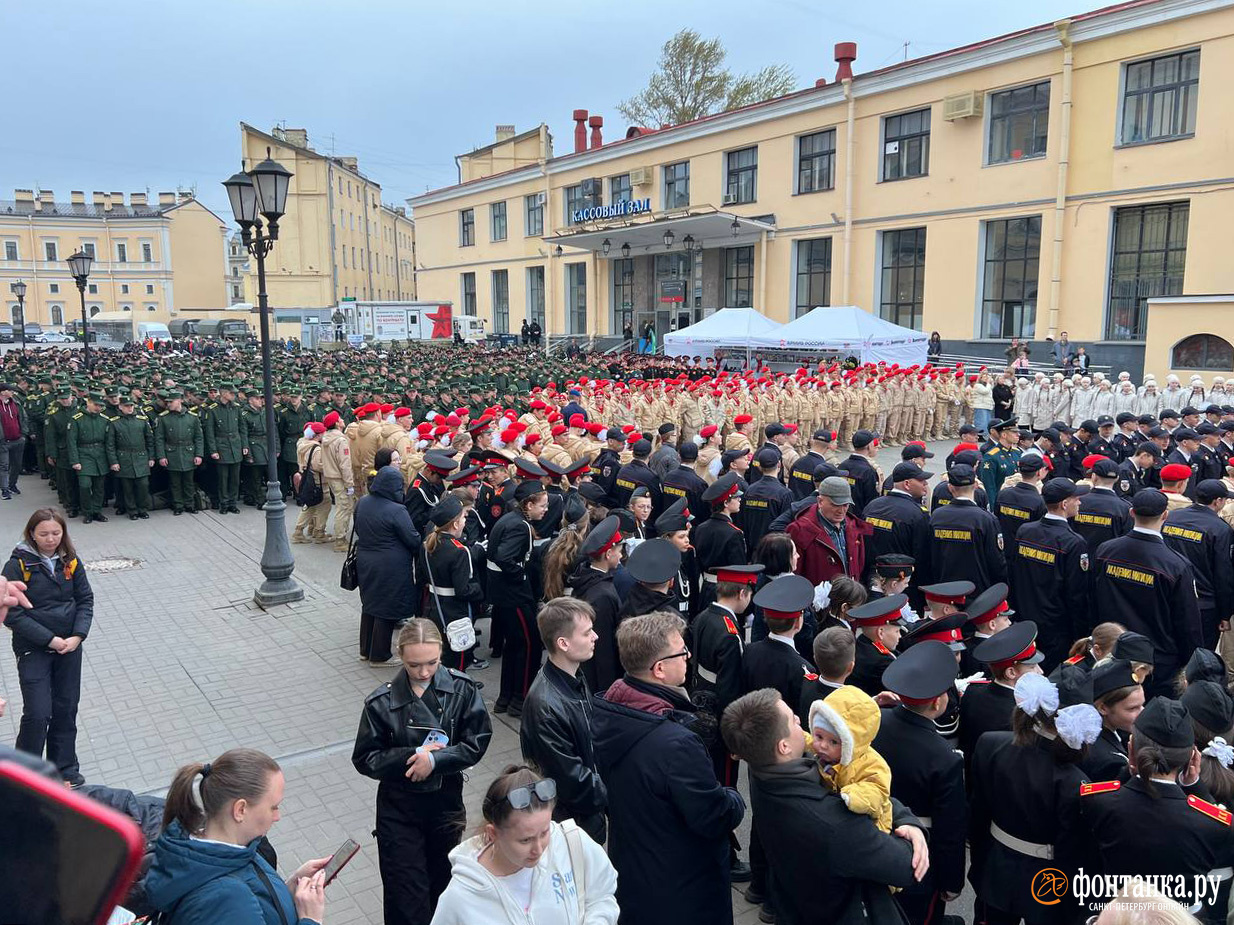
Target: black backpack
{"x":308,"y":489}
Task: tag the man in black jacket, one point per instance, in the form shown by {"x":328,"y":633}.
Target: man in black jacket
{"x":555,"y":734}
{"x":653,"y":565}
{"x":828,"y":864}
{"x":1199,"y":535}
{"x":859,"y":470}
{"x":1103,"y":515}
{"x":900,"y":524}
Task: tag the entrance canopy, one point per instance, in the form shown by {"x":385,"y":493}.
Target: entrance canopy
{"x":849,"y":330}
{"x":729,"y":327}
{"x":708,"y":229}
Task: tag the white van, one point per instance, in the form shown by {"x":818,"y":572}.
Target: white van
{"x":152,"y":330}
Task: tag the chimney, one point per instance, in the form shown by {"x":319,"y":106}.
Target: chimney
{"x":596,"y":123}
{"x":100,"y":201}
{"x":184,"y":195}
{"x":821,"y":82}
{"x":580,"y":130}
{"x":167,"y":199}
{"x":504,"y":133}
{"x":350,"y":163}
{"x":117,"y":200}
{"x":846,"y":54}
{"x":77,"y":197}
{"x":25,"y":199}
{"x":47,"y":200}
{"x":137,"y":200}
{"x":296,"y":136}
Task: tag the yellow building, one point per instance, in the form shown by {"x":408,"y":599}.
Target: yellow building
{"x":153,"y":259}
{"x":337,"y":239}
{"x":1044,"y":181}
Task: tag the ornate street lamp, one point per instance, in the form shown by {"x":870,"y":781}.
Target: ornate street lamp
{"x":668,"y":239}
{"x":256,"y":194}
{"x":606,"y":246}
{"x":688,"y":243}
{"x":735,"y":227}
{"x":625,"y":251}
{"x":19,"y":290}
{"x":79,"y":266}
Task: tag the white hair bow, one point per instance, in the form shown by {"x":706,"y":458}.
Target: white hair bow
{"x":822,"y":596}
{"x":1221,"y":750}
{"x":1078,"y":725}
{"x":1035,"y":693}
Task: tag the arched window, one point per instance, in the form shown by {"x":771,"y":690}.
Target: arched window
{"x":1203,"y":351}
{"x":15,"y":314}
{"x":57,"y":315}
{"x":94,"y":310}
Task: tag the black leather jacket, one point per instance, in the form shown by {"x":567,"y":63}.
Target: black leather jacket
{"x":395,"y":722}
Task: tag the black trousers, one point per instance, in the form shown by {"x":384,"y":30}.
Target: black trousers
{"x":926,"y":907}
{"x":286,"y":471}
{"x":50,"y":691}
{"x":375,"y":636}
{"x":12,"y":455}
{"x":522,"y":650}
{"x":415,"y":834}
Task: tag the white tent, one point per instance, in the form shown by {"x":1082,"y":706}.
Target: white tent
{"x":849,"y":330}
{"x":729,"y":327}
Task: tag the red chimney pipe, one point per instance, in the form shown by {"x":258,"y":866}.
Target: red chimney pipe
{"x":821,"y":82}
{"x":846,"y":54}
{"x":596,"y":123}
{"x":580,"y":130}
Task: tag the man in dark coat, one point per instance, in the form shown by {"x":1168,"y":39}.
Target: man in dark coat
{"x":860,"y":472}
{"x":830,"y":539}
{"x":827,"y":864}
{"x":669,"y":817}
{"x":386,"y":547}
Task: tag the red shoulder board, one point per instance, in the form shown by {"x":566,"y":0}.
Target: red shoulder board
{"x":1075,"y":659}
{"x":457,"y":543}
{"x":979,"y":681}
{"x":881,"y":648}
{"x":735,"y":527}
{"x":1210,"y":809}
{"x":809,"y":675}
{"x":1107,"y":786}
{"x":730,"y":626}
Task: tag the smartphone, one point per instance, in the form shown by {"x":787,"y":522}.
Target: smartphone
{"x":64,"y":858}
{"x":346,"y":851}
{"x":436,"y":737}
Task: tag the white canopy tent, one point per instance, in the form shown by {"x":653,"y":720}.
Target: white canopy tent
{"x":729,"y":327}
{"x":850,"y":330}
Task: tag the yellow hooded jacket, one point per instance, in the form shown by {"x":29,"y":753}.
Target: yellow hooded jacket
{"x":861,"y":777}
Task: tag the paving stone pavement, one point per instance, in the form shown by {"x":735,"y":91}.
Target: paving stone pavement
{"x":181,"y":665}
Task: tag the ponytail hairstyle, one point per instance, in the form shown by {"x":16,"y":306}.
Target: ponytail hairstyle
{"x":563,"y":556}
{"x":1153,"y":760}
{"x":238,"y":774}
{"x":845,"y":590}
{"x":1102,"y":637}
{"x":418,"y":631}
{"x":433,"y":540}
{"x":496,"y":808}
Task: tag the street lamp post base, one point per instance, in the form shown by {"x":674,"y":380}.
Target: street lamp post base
{"x":277,"y":563}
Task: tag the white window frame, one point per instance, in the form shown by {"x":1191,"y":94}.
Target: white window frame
{"x":16,"y":249}
{"x":122,"y":252}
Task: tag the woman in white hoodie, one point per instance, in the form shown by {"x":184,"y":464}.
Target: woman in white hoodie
{"x":525,"y":869}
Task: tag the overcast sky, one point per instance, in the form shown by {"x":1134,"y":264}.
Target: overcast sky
{"x":148,"y":94}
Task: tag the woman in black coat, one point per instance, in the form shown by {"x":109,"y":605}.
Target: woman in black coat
{"x":47,"y":639}
{"x":386,"y":547}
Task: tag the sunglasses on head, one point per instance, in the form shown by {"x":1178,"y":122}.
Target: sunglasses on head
{"x":542,"y":790}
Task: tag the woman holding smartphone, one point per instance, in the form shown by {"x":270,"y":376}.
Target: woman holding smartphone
{"x":418,"y":734}
{"x":47,"y":638}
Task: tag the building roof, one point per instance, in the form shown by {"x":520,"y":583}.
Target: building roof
{"x":287,"y":142}
{"x":521,"y":136}
{"x":87,"y":210}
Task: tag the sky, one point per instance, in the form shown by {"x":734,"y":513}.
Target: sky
{"x":139,"y":95}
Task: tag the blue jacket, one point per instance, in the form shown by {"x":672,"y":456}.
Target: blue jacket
{"x":205,"y":882}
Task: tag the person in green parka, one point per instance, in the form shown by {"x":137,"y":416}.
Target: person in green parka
{"x":86,"y":439}
{"x":55,"y":424}
{"x":130,"y":455}
{"x":178,"y":446}
{"x":224,"y":446}
{"x":293,"y":416}
{"x":253,"y":448}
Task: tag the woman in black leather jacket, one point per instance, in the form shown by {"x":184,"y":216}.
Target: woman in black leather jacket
{"x":420,"y":813}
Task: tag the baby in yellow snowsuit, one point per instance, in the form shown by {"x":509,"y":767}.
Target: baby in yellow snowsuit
{"x":843,"y":727}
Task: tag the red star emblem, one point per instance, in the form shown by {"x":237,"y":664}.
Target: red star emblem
{"x":443,"y":321}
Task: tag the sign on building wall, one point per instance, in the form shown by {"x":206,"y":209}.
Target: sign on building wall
{"x":613,"y":210}
{"x":390,"y":323}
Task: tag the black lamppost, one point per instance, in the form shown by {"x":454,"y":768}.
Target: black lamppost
{"x":79,"y":265}
{"x":256,"y":194}
{"x":19,"y":290}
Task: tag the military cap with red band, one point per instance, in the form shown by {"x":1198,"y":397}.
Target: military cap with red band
{"x":946,"y":630}
{"x":948,"y":592}
{"x":603,"y":537}
{"x":922,"y":673}
{"x":722,"y":489}
{"x":737,"y":574}
{"x":989,"y":604}
{"x":783,"y":598}
{"x":1016,"y":644}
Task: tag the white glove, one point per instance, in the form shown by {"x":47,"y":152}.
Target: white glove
{"x":350,"y":492}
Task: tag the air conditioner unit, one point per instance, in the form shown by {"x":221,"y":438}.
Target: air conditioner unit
{"x":640,"y":176}
{"x":730,"y":199}
{"x":540,"y":198}
{"x":963,"y":105}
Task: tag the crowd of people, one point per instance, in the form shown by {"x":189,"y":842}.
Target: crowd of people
{"x":683,"y":574}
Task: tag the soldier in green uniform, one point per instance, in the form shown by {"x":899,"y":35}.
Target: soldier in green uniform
{"x":36,"y":412}
{"x":178,"y":446}
{"x":56,"y":424}
{"x":86,"y":442}
{"x":253,"y":449}
{"x":111,"y":411}
{"x":999,"y":461}
{"x":222,"y":435}
{"x":292,"y":416}
{"x":130,"y":455}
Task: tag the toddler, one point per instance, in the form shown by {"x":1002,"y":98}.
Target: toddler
{"x":843,"y":727}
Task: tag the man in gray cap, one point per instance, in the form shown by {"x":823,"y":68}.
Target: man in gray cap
{"x":830,"y":538}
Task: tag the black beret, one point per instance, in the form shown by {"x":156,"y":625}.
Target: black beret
{"x":1149,"y":502}
{"x":1210,"y":705}
{"x":1167,"y":723}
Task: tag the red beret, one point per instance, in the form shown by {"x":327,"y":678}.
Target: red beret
{"x":331,"y":419}
{"x":317,"y":427}
{"x":742,"y":419}
{"x":531,"y":438}
{"x":386,"y":409}
{"x":1175,"y":472}
{"x":558,"y":430}
{"x":538,"y":405}
{"x":453,"y":420}
{"x":402,"y":412}
{"x":576,"y":420}
{"x":707,"y":431}
{"x":509,"y":436}
{"x":1091,"y":460}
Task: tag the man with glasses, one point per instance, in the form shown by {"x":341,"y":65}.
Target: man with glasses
{"x":669,"y":818}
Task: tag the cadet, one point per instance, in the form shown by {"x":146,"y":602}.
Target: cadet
{"x":775,"y":661}
{"x":130,"y":455}
{"x":592,"y":583}
{"x":221,"y":432}
{"x":635,"y":473}
{"x":950,"y":631}
{"x":942,"y":490}
{"x":86,"y":439}
{"x":291,"y":418}
{"x":900,"y":523}
{"x":1107,"y":756}
{"x":428,"y":486}
{"x":1103,"y":515}
{"x":1049,"y":573}
{"x":178,"y":445}
{"x":988,"y":615}
{"x":859,"y":471}
{"x":253,"y":450}
{"x":674,"y":526}
{"x":718,"y":541}
{"x":987,"y":705}
{"x":653,"y":565}
{"x":1021,"y":503}
{"x":1150,"y":589}
{"x":57,"y":421}
{"x":1139,"y":472}
{"x":878,"y":624}
{"x":1199,"y":535}
{"x":766,"y":500}
{"x":999,"y":461}
{"x":685,"y":482}
{"x":927,"y":774}
{"x":608,"y":462}
{"x":967,"y":544}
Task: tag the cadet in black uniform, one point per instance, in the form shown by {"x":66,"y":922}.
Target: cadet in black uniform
{"x":1125,"y":440}
{"x":900,"y":524}
{"x":927,"y":775}
{"x":967,"y":544}
{"x":717,"y":540}
{"x":1101,"y":444}
{"x":1118,"y":697}
{"x":766,"y":500}
{"x":1211,"y":467}
{"x":860,"y":473}
{"x":674,"y":526}
{"x":1021,"y":503}
{"x":1049,"y":573}
{"x":1225,"y":447}
{"x":950,"y":631}
{"x":987,"y":705}
{"x":592,"y":583}
{"x":878,"y":624}
{"x":684,"y":482}
{"x":1186,"y":453}
{"x":608,"y":462}
{"x":1150,"y":589}
{"x":635,"y":473}
{"x":427,"y":488}
{"x":1199,"y":535}
{"x":1150,"y":826}
{"x":942,"y":489}
{"x":988,"y":615}
{"x":1103,"y":515}
{"x":801,"y":478}
{"x":454,"y":593}
{"x":653,"y":565}
{"x":1138,"y":472}
{"x":914,"y":452}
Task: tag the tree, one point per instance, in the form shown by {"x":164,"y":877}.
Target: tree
{"x":691,"y":81}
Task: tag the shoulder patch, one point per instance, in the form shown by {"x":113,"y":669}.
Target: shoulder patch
{"x":461,"y":675}
{"x":1074,"y":660}
{"x":1210,"y":809}
{"x":809,"y":675}
{"x":1108,"y":786}
{"x":384,"y":689}
{"x":1084,"y":561}
{"x":457,"y":543}
{"x":79,"y":414}
{"x":162,"y":413}
{"x":730,"y":625}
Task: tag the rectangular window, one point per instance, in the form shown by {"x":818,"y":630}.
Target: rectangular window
{"x":741,"y":175}
{"x":677,"y":186}
{"x":576,"y":297}
{"x":501,"y":301}
{"x":10,"y":250}
{"x":1159,"y":98}
{"x":469,"y":294}
{"x":575,"y":199}
{"x":53,"y":288}
{"x":1009,"y":277}
{"x":902,"y":286}
{"x":49,"y":249}
{"x":534,"y":223}
{"x":147,"y":253}
{"x":93,"y":288}
{"x":1150,"y":254}
{"x":149,"y":288}
{"x":619,"y":189}
{"x":816,"y":162}
{"x":535,"y":295}
{"x":1019,"y":120}
{"x":738,"y":277}
{"x":124,"y":288}
{"x":122,"y":253}
{"x":344,"y":256}
{"x":623,"y":294}
{"x":906,"y":145}
{"x":813,"y":274}
{"x":467,"y":228}
{"x":87,"y":248}
{"x":497,"y":215}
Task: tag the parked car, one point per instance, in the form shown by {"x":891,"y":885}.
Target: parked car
{"x":34,"y":332}
{"x":6,"y":333}
{"x":56,"y":337}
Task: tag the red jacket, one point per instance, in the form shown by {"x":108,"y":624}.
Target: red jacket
{"x":819,"y":559}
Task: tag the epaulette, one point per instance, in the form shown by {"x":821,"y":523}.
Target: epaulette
{"x":161,"y":413}
{"x":384,"y":689}
{"x":192,"y":411}
{"x":1075,"y":659}
{"x":457,"y":543}
{"x":79,"y":414}
{"x":1107,"y":786}
{"x":461,"y":675}
{"x":993,"y":451}
{"x":730,"y":625}
{"x":1211,"y":810}
{"x":809,"y":675}
{"x":141,"y":417}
